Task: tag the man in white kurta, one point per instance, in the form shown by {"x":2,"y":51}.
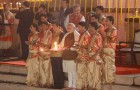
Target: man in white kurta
{"x":69,"y":66}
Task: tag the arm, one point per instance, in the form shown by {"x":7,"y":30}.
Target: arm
{"x":100,"y":46}
{"x":97,"y":48}
{"x":113,"y":36}
{"x":50,"y":39}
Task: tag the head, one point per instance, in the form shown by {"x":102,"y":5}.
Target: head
{"x":6,"y":7}
{"x":103,"y":21}
{"x":34,"y":27}
{"x":44,"y":26}
{"x":77,"y":9}
{"x":42,"y":8}
{"x":26,"y":4}
{"x":94,"y":18}
{"x":71,"y":27}
{"x":82,"y":26}
{"x":44,"y":18}
{"x":109,"y":20}
{"x":93,"y":27}
{"x":55,"y":25}
{"x":65,"y":3}
{"x":99,"y":10}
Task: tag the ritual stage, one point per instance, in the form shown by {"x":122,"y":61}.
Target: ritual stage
{"x":120,"y":69}
{"x":13,"y":77}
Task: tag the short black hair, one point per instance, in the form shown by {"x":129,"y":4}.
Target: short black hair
{"x":26,"y":4}
{"x":43,"y":6}
{"x":35,"y":25}
{"x":83,"y":24}
{"x":67,"y":1}
{"x":100,"y":7}
{"x":94,"y":24}
{"x":95,"y":16}
{"x":110,"y":18}
{"x":55,"y":22}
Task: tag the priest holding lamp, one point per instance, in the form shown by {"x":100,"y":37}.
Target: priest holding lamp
{"x":56,"y":56}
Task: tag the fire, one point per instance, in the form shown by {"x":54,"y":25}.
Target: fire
{"x":41,"y":49}
{"x":55,"y":46}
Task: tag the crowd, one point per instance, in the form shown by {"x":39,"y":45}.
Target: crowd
{"x":67,"y":47}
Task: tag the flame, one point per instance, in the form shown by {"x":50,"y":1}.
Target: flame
{"x":41,"y":49}
{"x":55,"y":46}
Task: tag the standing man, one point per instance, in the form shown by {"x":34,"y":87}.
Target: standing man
{"x":25,"y":16}
{"x":75,"y":17}
{"x":95,"y":61}
{"x":82,"y":58}
{"x":45,"y":41}
{"x":69,"y":55}
{"x":6,"y":26}
{"x":63,"y":13}
{"x":56,"y":57}
{"x":108,"y":56}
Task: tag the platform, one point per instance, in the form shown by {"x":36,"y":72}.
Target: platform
{"x":13,"y":77}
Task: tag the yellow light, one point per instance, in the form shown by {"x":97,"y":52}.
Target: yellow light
{"x":55,"y":46}
{"x":11,"y":5}
{"x":80,"y":2}
{"x":41,"y":49}
{"x":17,"y":5}
{"x":101,"y":2}
{"x":137,"y":5}
{"x":136,"y":13}
{"x":128,"y":5}
{"x":116,"y":12}
{"x":121,"y":3}
{"x":85,"y":8}
{"x":48,"y":6}
{"x":69,"y":3}
{"x":55,"y":5}
{"x":109,"y":6}
{"x":74,"y":2}
{"x":91,"y":5}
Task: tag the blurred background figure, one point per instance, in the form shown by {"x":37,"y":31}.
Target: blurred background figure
{"x":6,"y":22}
{"x":65,"y":10}
{"x":75,"y":17}
{"x":56,"y":56}
{"x":25,"y":16}
{"x":42,"y":10}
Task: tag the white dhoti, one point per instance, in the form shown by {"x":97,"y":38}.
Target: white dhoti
{"x":81,"y":81}
{"x":46,"y":78}
{"x":109,"y":65}
{"x":94,"y":76}
{"x":33,"y":72}
{"x":69,"y":66}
